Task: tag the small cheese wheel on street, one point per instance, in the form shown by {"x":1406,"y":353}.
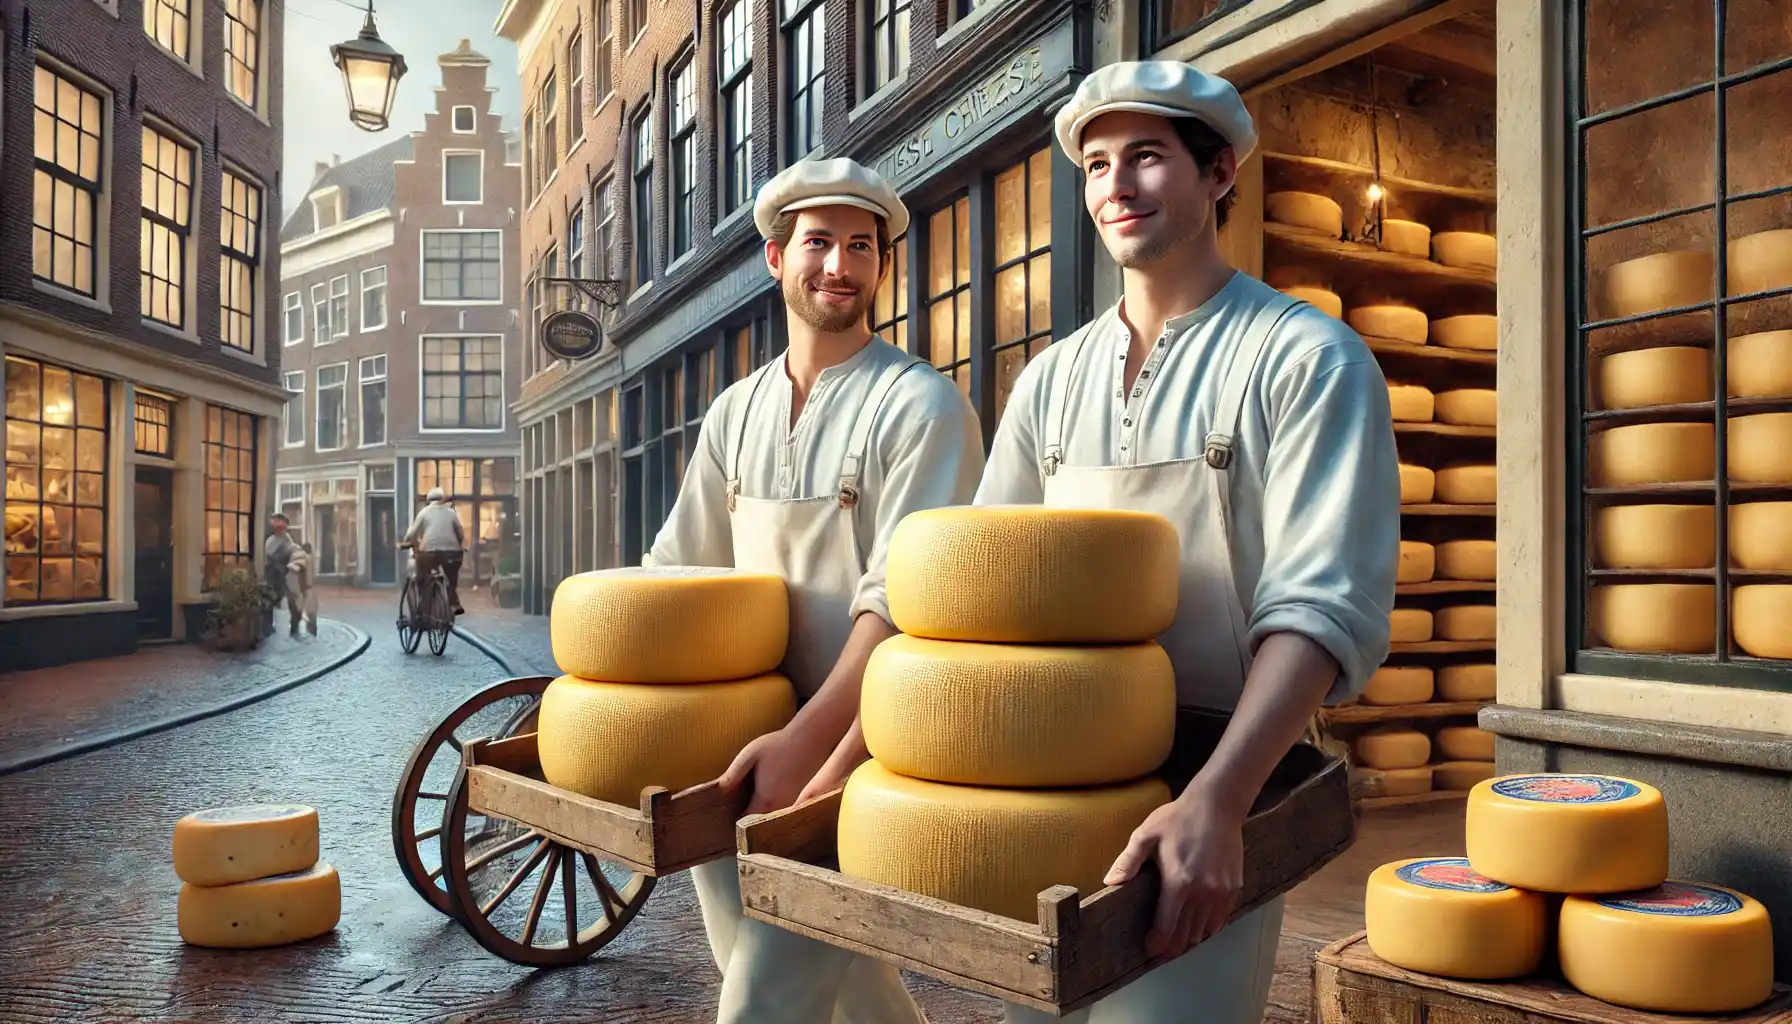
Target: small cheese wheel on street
{"x":1467,"y":682}
{"x":1464,"y":743}
{"x":1467,"y":622}
{"x":265,"y":912}
{"x":1664,"y":280}
{"x":610,"y":740}
{"x":991,"y":849}
{"x":1655,"y":536}
{"x":1654,"y":453}
{"x":1395,"y":323}
{"x":1761,"y":262}
{"x":1388,"y":747}
{"x":1467,"y":485}
{"x":1469,"y":407}
{"x":1761,"y":617}
{"x":1475,"y":331}
{"x":1761,"y":535}
{"x":1761,"y":448}
{"x":1467,"y":560}
{"x":1410,"y":403}
{"x":1472,"y":249}
{"x":1409,"y":626}
{"x":1668,"y":375}
{"x":1016,"y":715}
{"x":1418,"y":560}
{"x":1683,"y":947}
{"x":1029,"y":574}
{"x":1568,"y":833}
{"x":1395,"y":685}
{"x":1305,"y":210}
{"x":1437,"y":916}
{"x":1655,"y":618}
{"x":1461,"y":776}
{"x":1405,"y":236}
{"x":1380,"y":784}
{"x":1322,"y":299}
{"x":1760,"y":365}
{"x":239,"y":844}
{"x":1417,"y":484}
{"x":669,"y":624}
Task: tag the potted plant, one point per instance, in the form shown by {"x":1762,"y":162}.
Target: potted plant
{"x":238,"y":615}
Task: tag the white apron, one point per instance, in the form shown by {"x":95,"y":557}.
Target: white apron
{"x":1224,"y":980}
{"x":770,"y":975}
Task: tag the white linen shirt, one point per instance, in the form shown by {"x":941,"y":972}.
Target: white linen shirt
{"x":925,"y":451}
{"x":1315,"y":477}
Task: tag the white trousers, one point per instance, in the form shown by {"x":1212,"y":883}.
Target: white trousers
{"x":774,"y":976}
{"x":1224,"y":980}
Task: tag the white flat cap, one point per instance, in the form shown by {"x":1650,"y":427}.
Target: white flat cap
{"x":1168,"y":88}
{"x":807,"y":184}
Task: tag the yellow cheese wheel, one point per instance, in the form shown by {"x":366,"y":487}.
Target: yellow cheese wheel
{"x":1395,"y":323}
{"x":1761,"y":448}
{"x":1761,"y":262}
{"x":1466,"y":622}
{"x":1305,"y":210}
{"x":1466,"y":249}
{"x":1396,"y":685}
{"x":1761,"y":618}
{"x":1469,"y":407}
{"x":1325,"y":301}
{"x":239,"y":844}
{"x":1664,"y":280}
{"x":266,"y":912}
{"x":1013,"y":715}
{"x":1409,"y":626}
{"x":1464,"y":743}
{"x":1761,"y":536}
{"x":1653,"y":453}
{"x":991,"y":849}
{"x":1405,"y":236}
{"x":1410,"y":402}
{"x":1388,"y":747}
{"x":1478,"y":331}
{"x":1417,"y":484}
{"x":1467,"y":682}
{"x":1760,"y":365}
{"x":1657,"y":618}
{"x":1467,"y":560}
{"x":1655,"y":536}
{"x":1380,"y":784}
{"x":610,"y":740}
{"x":1683,"y":947}
{"x":1418,"y":561}
{"x":1568,"y":833}
{"x":1462,"y":776}
{"x":1028,"y":574}
{"x":1467,"y":485}
{"x":1668,"y":375}
{"x":669,"y":624}
{"x":1436,"y":915}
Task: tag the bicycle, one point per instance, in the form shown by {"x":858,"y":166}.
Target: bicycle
{"x":423,"y":607}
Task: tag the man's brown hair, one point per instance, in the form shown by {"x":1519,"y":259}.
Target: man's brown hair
{"x":1205,"y":144}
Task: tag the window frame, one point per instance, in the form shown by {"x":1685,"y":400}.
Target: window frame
{"x":74,"y":426}
{"x":141,"y":397}
{"x":290,"y":303}
{"x":339,"y":304}
{"x":383,"y":289}
{"x":478,"y":155}
{"x":256,"y":37}
{"x":152,"y":219}
{"x":798,"y":16}
{"x":96,"y":190}
{"x":641,"y":220}
{"x":424,"y":374}
{"x":603,"y":72}
{"x":152,"y":26}
{"x":734,"y":94}
{"x":286,"y":439}
{"x":575,"y":89}
{"x":209,"y":581}
{"x":889,"y":28}
{"x":423,"y":237}
{"x":637,"y":18}
{"x":681,"y":149}
{"x":318,"y":387}
{"x":547,"y":110}
{"x":253,"y":262}
{"x":604,"y":195}
{"x":363,"y":379}
{"x":454,"y":127}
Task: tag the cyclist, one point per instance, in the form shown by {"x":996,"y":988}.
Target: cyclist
{"x":436,"y":539}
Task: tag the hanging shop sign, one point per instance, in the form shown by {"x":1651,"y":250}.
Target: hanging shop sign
{"x":572,"y":334}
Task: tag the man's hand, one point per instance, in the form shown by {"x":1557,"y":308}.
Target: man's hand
{"x":1199,"y":849}
{"x":780,"y":763}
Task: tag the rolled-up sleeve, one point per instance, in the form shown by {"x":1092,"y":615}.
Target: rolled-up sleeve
{"x":697,"y":530}
{"x":1331,"y":514}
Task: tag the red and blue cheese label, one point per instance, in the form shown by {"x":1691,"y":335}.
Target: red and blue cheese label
{"x":1566,"y":789}
{"x":1677,"y":899}
{"x":1452,"y":873}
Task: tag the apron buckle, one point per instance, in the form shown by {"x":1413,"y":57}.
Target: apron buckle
{"x":1219,"y":452}
{"x":849,"y":495}
{"x":1052,"y":460}
{"x":730,"y":491}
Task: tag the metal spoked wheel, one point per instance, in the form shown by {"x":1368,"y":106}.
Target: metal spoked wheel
{"x":501,"y":710}
{"x":593,"y":899}
{"x":410,"y":617}
{"x":440,"y":615}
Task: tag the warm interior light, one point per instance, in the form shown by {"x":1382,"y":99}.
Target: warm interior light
{"x":370,"y":73}
{"x":1376,"y":192}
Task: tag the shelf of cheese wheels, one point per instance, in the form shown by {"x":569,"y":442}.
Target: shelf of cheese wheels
{"x":1562,"y":910}
{"x":1020,"y":727}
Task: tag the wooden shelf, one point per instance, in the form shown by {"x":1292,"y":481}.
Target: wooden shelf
{"x":1369,"y":256}
{"x":1356,"y":713}
{"x":1442,"y":429}
{"x":1391,"y":181}
{"x":1407,"y":350}
{"x":1683,"y":488}
{"x":1683,"y":411}
{"x":1442,"y":647}
{"x":1446,"y":587}
{"x":1435,"y":509}
{"x":1370,"y":803}
{"x":1736,"y":575}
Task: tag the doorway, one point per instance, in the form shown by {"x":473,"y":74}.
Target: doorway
{"x":325,"y":544}
{"x":155,"y":553}
{"x":383,"y":536}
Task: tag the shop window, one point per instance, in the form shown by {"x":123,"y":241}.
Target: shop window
{"x":575,"y":92}
{"x":805,"y":35}
{"x":373,"y":299}
{"x":229,"y":493}
{"x":889,"y":41}
{"x":889,"y":309}
{"x":1023,"y":269}
{"x":483,"y":493}
{"x":294,"y":330}
{"x":332,"y":407}
{"x":672,"y":408}
{"x":735,"y":76}
{"x":463,"y":383}
{"x":339,"y":306}
{"x":606,"y":45}
{"x":463,"y":266}
{"x":1166,"y":21}
{"x":168,"y":22}
{"x":155,"y":426}
{"x":604,"y":417}
{"x":57,"y":446}
{"x":586,"y":547}
{"x":373,"y":401}
{"x":292,"y":417}
{"x":68,"y":180}
{"x":684,"y":156}
{"x":703,"y":382}
{"x":949,"y":292}
{"x":581,"y":427}
{"x":239,"y":261}
{"x":1679,"y":474}
{"x":242,"y":48}
{"x":167,"y":175}
{"x":641,"y":199}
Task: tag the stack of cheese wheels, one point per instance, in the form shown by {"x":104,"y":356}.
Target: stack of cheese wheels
{"x":1761,"y":540}
{"x":1588,"y":855}
{"x":1015,"y":724}
{"x":670,"y":671}
{"x":250,"y":877}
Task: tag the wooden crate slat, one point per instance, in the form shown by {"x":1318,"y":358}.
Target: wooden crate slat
{"x":575,"y":820}
{"x":1351,"y":713}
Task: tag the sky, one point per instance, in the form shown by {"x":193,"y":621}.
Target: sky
{"x":317,"y":122}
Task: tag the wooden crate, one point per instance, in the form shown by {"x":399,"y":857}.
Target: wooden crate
{"x":1351,"y":985}
{"x":668,"y":833}
{"x":1079,"y":949}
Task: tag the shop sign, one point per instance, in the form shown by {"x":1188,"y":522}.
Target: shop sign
{"x":572,"y":334}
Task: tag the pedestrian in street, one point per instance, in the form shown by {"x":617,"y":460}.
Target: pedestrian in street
{"x":301,"y":590}
{"x":1260,"y":427}
{"x":438,"y":540}
{"x":803,"y":469}
{"x":277,"y":551}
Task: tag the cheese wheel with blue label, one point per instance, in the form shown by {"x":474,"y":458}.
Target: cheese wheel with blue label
{"x":1682,"y":947}
{"x":1437,"y":915}
{"x":1568,"y":833}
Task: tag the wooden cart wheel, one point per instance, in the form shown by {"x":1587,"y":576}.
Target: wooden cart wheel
{"x":409,"y":630}
{"x":502,"y":709}
{"x":592,"y":899}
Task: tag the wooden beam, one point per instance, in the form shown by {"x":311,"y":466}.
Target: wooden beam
{"x":1363,"y":44}
{"x":1452,"y":43}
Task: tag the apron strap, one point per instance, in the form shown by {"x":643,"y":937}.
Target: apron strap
{"x":1057,"y":403}
{"x":740,"y":433}
{"x":858,"y":447}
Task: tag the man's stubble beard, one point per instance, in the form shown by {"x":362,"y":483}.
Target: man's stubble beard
{"x":831,"y":321}
{"x":1182,"y":225}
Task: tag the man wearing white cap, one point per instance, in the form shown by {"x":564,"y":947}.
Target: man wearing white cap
{"x":803,"y":469}
{"x":1260,"y":427}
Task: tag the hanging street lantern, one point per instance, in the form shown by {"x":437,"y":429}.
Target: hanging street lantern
{"x":370,"y":73}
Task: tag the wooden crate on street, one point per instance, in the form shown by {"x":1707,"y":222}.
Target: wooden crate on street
{"x":1079,"y":949}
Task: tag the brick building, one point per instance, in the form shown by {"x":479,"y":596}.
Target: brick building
{"x":137,"y":323}
{"x":399,"y":306}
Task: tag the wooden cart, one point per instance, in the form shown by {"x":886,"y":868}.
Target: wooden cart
{"x":1080,"y":948}
{"x":1351,"y":985}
